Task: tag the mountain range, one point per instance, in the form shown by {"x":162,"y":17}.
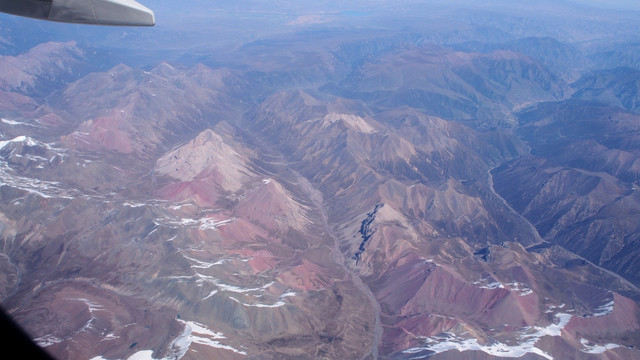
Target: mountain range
{"x":421,"y":181}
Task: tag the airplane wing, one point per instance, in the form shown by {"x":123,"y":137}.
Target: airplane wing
{"x":98,"y":12}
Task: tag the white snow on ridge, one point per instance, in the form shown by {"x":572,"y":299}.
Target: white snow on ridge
{"x":15,"y":123}
{"x":42,"y":188}
{"x":187,"y":222}
{"x":198,"y":333}
{"x":27,"y":140}
{"x":47,"y":340}
{"x":142,"y":355}
{"x":491,"y":286}
{"x":205,"y":223}
{"x":90,"y":304}
{"x":443,"y":344}
{"x":110,"y":336}
{"x":237,"y":289}
{"x":199,"y":263}
{"x":288,"y":294}
{"x":525,"y":292}
{"x":133,"y":204}
{"x":553,"y":329}
{"x":278,"y":303}
{"x":210,"y":223}
{"x":519,"y":288}
{"x":202,"y":330}
{"x":213,"y":292}
{"x":551,"y":307}
{"x":202,"y":278}
{"x":10,"y":122}
{"x":596,"y":349}
{"x":529,"y":337}
{"x":604,"y":309}
{"x":193,"y":333}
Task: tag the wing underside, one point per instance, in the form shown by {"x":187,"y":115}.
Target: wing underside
{"x":99,"y":12}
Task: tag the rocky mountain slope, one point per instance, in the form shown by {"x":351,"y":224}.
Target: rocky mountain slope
{"x":370,"y":196}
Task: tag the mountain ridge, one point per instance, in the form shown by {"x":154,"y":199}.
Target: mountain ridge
{"x":380,"y":195}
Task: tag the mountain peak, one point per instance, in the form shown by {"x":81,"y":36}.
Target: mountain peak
{"x":353,"y":122}
{"x":207,"y":155}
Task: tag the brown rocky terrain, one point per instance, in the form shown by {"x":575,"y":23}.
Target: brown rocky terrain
{"x":328,"y":193}
{"x":580,"y":188}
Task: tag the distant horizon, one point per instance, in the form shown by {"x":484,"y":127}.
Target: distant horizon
{"x":611,"y":4}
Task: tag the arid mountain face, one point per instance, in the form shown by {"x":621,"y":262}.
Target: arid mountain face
{"x":422,"y":194}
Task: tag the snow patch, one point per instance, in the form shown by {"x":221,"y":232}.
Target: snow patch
{"x":205,"y":223}
{"x":202,"y":278}
{"x":14,"y":123}
{"x":493,"y":285}
{"x":179,"y":277}
{"x":553,"y":329}
{"x":604,"y":309}
{"x":193,"y":333}
{"x":354,"y":122}
{"x":142,"y":355}
{"x":278,"y":303}
{"x":519,"y":288}
{"x":528,"y":335}
{"x":596,"y":349}
{"x":199,"y":263}
{"x":90,"y":304}
{"x":551,"y":307}
{"x":237,"y":289}
{"x":42,"y":188}
{"x":213,"y":292}
{"x":515,"y":287}
{"x":211,"y":223}
{"x":198,"y":333}
{"x":47,"y":340}
{"x":25,"y":139}
{"x":451,"y":342}
{"x":134,"y":204}
{"x":110,"y":336}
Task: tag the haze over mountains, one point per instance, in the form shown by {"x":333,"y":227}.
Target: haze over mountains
{"x":300,"y":181}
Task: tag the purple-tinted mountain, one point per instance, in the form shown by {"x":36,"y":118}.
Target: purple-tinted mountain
{"x":580,"y":188}
{"x":482,"y":89}
{"x":362,"y":182}
{"x":619,"y":87}
{"x":45,"y":68}
{"x":564,"y":60}
{"x":607,"y":55}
